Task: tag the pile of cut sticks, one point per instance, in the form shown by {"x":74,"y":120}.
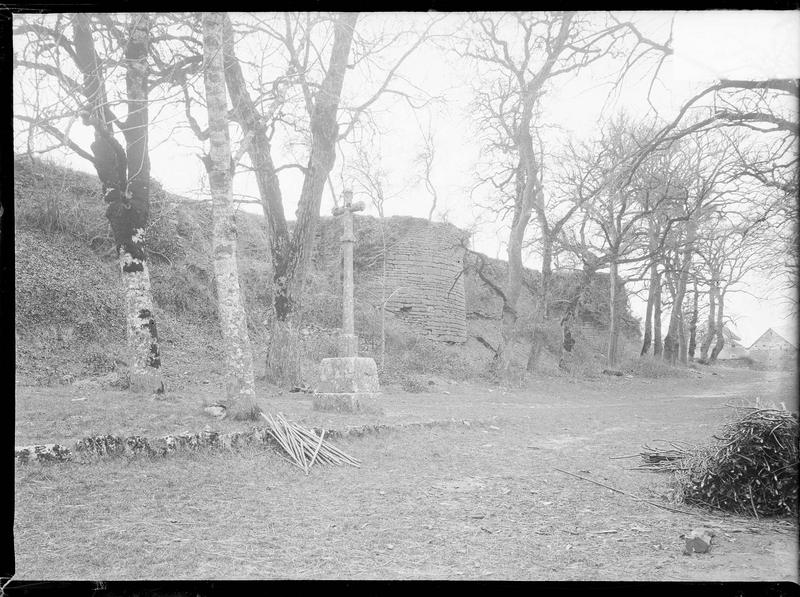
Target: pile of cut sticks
{"x":668,"y":457}
{"x":303,"y":446}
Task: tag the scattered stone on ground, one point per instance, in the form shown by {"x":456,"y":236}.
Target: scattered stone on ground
{"x":216,"y":410}
{"x":698,"y":541}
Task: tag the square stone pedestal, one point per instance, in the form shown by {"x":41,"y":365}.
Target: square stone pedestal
{"x":348,"y":385}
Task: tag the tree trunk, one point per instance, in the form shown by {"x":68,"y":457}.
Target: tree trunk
{"x":537,"y":344}
{"x":719,"y":329}
{"x":543,"y":309}
{"x":523,"y":205}
{"x":290,"y":271}
{"x":145,"y":362}
{"x":671,"y":342}
{"x":512,"y":290}
{"x":528,"y":192}
{"x":693,"y":325}
{"x":571,"y":313}
{"x":259,"y":150}
{"x":567,"y":339}
{"x":648,"y":316}
{"x":658,"y":346}
{"x":671,"y":339}
{"x":125,"y":179}
{"x":283,"y":353}
{"x":513,"y":287}
{"x":652,"y":233}
{"x":682,"y":340}
{"x":324,"y":134}
{"x":613,"y":314}
{"x":240,"y":383}
{"x":290,"y":256}
{"x":712,"y":322}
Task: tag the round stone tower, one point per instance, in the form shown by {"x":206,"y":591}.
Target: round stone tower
{"x":425,"y":285}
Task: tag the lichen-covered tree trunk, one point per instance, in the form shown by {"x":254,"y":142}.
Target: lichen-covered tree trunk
{"x":240,"y":384}
{"x":125,"y":178}
{"x":712,"y":322}
{"x":719,"y":328}
{"x":145,"y":366}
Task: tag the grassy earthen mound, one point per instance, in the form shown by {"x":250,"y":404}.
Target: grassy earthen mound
{"x":70,"y":317}
{"x":752,"y":469}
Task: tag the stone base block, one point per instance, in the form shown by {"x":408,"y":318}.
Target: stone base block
{"x":348,"y":375}
{"x":348,"y":402}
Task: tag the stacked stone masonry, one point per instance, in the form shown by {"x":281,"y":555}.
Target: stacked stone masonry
{"x":425,"y":282}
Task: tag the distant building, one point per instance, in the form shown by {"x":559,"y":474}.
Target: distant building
{"x":772,"y":349}
{"x":732,"y":348}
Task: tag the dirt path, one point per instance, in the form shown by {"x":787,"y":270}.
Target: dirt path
{"x":66,"y":414}
{"x":467,"y":502}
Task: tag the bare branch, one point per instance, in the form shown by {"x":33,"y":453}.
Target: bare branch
{"x":62,"y":137}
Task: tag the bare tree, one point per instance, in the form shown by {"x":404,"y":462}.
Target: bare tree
{"x":767,"y":111}
{"x":616,"y":208}
{"x":124,"y":172}
{"x":716,"y":174}
{"x":692,"y":347}
{"x":425,"y":159}
{"x":521,"y":54}
{"x":372,"y":179}
{"x":731,"y":246}
{"x":586,"y":276}
{"x":662,"y":170}
{"x":290,"y":252}
{"x":323,"y":122}
{"x":240,"y":385}
{"x":551,"y":217}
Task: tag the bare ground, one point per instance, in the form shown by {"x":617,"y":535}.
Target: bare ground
{"x":480,"y":501}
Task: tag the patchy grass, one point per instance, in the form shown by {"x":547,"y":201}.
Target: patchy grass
{"x":65,"y":415}
{"x":651,"y":367}
{"x":466,"y":502}
{"x":68,"y":413}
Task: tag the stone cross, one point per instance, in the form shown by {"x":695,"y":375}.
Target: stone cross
{"x":348,"y":343}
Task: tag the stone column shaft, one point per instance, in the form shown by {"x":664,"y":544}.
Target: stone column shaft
{"x":349,"y":349}
{"x":348,"y":343}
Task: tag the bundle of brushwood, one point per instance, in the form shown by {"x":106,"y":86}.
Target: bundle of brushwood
{"x":751,"y":470}
{"x":303,"y":446}
{"x":667,"y":456}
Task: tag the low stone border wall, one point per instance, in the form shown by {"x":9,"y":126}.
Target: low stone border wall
{"x":103,"y":446}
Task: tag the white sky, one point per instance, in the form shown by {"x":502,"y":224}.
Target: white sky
{"x":708,"y":45}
